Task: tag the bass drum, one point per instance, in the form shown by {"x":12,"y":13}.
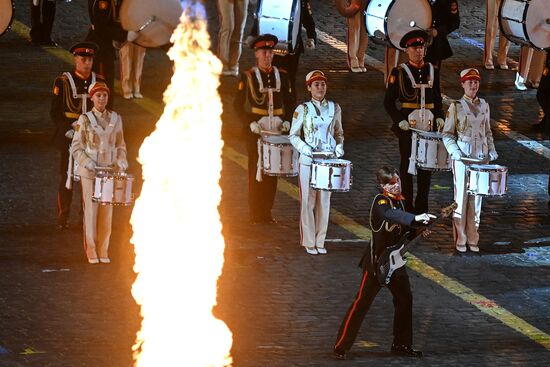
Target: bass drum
{"x":281,"y":19}
{"x":526,"y":22}
{"x":155,"y":21}
{"x":387,"y":21}
{"x":6,"y":15}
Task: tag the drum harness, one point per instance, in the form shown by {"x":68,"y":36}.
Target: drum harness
{"x":72,"y":166}
{"x":312,"y":139}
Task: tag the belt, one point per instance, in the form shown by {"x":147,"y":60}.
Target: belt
{"x":72,"y":115}
{"x":262,"y":112}
{"x":416,"y":105}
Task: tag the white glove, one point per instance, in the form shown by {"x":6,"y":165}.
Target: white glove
{"x":285,"y":126}
{"x":122,"y":164}
{"x":457,"y":155}
{"x":404,"y":125}
{"x":69,"y":134}
{"x":339,"y":151}
{"x":310,"y":44}
{"x":440,"y":123}
{"x":307,"y":151}
{"x":90,"y":166}
{"x":424,"y":218}
{"x":248,"y":41}
{"x":132,"y":36}
{"x":493,"y":155}
{"x":255,"y":128}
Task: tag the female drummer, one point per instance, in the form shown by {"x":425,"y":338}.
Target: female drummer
{"x":316,"y":127}
{"x":98,"y":142}
{"x":467,"y":134}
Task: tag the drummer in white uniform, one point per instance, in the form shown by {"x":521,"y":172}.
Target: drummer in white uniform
{"x":467,"y":133}
{"x":316,"y":127}
{"x":98,"y":142}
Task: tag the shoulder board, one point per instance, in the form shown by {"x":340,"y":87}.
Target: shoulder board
{"x":545,"y":72}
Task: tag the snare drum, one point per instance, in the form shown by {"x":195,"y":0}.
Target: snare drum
{"x":331,"y":175}
{"x":526,"y":22}
{"x":6,"y":15}
{"x":486,"y":179}
{"x":154,"y":21}
{"x":431,"y":153}
{"x":281,"y":19}
{"x":113,"y":188}
{"x":279,"y":156}
{"x":387,"y":21}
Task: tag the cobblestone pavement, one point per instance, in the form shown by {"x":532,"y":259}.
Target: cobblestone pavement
{"x":282,"y":306}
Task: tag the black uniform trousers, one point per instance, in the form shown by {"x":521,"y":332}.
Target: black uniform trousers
{"x":64,"y":195}
{"x":261,"y":195}
{"x":42,"y":17}
{"x":400,"y":288}
{"x":423,"y":179}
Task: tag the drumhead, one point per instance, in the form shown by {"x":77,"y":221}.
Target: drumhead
{"x":487,"y":168}
{"x":537,"y":29}
{"x":400,"y":15}
{"x":6,"y":15}
{"x":281,"y":19}
{"x":135,"y":14}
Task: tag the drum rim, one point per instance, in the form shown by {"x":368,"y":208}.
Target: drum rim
{"x":515,"y":39}
{"x":279,"y":174}
{"x":330,"y":190}
{"x":477,"y":168}
{"x":11,"y":19}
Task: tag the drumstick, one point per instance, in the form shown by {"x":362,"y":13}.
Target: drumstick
{"x":267,"y":132}
{"x":473,"y":160}
{"x":147,"y":23}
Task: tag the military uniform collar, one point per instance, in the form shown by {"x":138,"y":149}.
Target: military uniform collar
{"x":266,"y":71}
{"x":417,"y":66}
{"x":472,"y":100}
{"x":81,"y":76}
{"x":99,"y":114}
{"x":319,"y":104}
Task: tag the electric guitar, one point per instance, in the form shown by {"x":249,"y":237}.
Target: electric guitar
{"x":392,"y":257}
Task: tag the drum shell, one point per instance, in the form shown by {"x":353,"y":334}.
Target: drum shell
{"x":6,"y":15}
{"x":331,"y":175}
{"x":281,"y":19}
{"x":431,"y":154}
{"x":486,"y":179}
{"x":392,"y":19}
{"x":279,"y":157}
{"x":525,"y":23}
{"x":113,"y":189}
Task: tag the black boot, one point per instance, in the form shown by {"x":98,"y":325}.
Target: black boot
{"x":405,"y":350}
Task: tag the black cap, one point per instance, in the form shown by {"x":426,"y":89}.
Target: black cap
{"x":85,"y":49}
{"x":417,"y":37}
{"x":264,"y":41}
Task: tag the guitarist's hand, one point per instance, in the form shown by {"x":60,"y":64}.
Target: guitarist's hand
{"x":426,"y":233}
{"x":424,"y":218}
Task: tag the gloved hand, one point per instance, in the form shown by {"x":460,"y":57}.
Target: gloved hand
{"x":440,"y":123}
{"x":248,"y":41}
{"x":424,"y":218}
{"x":132,"y":36}
{"x":339,"y":150}
{"x":310,"y":44}
{"x":69,"y":134}
{"x":493,"y":156}
{"x":122,"y":164}
{"x":307,"y":151}
{"x":285,"y":127}
{"x":404,"y":125}
{"x":457,"y":155}
{"x":255,"y":128}
{"x":90,"y":166}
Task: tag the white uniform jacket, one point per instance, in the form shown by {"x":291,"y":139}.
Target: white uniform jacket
{"x":318,"y":125}
{"x":98,"y":138}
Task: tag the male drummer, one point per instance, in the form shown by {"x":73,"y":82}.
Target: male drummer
{"x":105,"y":29}
{"x":265,"y":102}
{"x":70,"y":100}
{"x":415,"y":85}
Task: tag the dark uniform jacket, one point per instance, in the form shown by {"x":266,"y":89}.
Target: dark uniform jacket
{"x":251,"y":105}
{"x":105,"y":27}
{"x":389,"y":222}
{"x":400,"y":90}
{"x":65,"y":109}
{"x":446,"y":19}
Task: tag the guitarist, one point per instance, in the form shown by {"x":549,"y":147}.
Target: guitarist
{"x":389,"y":221}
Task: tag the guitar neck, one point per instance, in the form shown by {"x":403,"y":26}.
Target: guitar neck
{"x":408,"y":244}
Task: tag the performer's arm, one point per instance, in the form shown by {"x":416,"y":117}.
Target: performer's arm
{"x":104,"y":24}
{"x":295,"y":133}
{"x":438,"y":100}
{"x":57,"y":110}
{"x":488,"y":132}
{"x":120,"y":144}
{"x":338,"y":130}
{"x":387,"y":213}
{"x":392,"y":96}
{"x":449,"y":130}
{"x":307,"y":20}
{"x":78,"y":147}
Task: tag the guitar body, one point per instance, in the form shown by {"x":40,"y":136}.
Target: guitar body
{"x":389,"y":262}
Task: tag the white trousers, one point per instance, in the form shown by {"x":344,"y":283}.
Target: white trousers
{"x":357,"y":40}
{"x":466,"y":217}
{"x":491,"y":26}
{"x":131,"y":67}
{"x":232,"y":17}
{"x":314,"y":211}
{"x":97,"y":222}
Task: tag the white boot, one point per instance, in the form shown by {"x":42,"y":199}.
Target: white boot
{"x":520,"y":82}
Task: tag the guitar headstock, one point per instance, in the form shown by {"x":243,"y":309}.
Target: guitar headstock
{"x":448,"y":210}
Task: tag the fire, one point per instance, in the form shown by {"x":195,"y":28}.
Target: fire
{"x":177,"y":230}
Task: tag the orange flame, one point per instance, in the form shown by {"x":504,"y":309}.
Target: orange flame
{"x":177,"y":230}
